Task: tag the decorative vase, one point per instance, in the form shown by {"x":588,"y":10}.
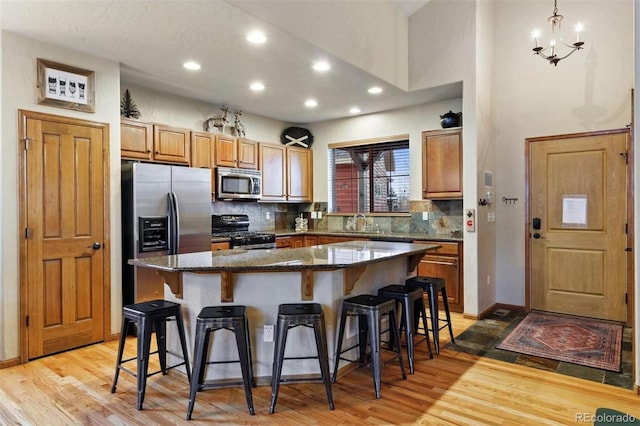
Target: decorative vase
{"x":451,"y":119}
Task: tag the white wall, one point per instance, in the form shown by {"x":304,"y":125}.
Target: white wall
{"x":375,"y":41}
{"x":19,"y":92}
{"x":590,"y":90}
{"x":412,"y":120}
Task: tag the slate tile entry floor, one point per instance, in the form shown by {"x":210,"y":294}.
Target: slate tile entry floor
{"x":484,"y":335}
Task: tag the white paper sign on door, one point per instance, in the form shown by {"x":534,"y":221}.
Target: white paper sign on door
{"x":574,"y":210}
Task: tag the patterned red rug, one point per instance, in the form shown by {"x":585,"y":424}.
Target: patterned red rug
{"x":577,"y":340}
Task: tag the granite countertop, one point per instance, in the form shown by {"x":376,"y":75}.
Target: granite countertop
{"x":322,"y":257}
{"x":386,"y":236}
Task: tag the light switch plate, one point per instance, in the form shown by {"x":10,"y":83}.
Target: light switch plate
{"x":425,"y":215}
{"x":319,"y":215}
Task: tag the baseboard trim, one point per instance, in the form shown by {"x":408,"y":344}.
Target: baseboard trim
{"x":9,"y":363}
{"x":492,"y":308}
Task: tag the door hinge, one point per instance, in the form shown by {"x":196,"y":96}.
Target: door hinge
{"x":26,"y":142}
{"x":27,"y":321}
{"x":628,"y":249}
{"x":27,"y":233}
{"x":624,"y":155}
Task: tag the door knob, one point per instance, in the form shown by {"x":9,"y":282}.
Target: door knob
{"x":96,"y":245}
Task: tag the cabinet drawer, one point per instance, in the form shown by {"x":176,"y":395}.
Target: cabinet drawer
{"x":445,"y":248}
{"x":283,"y":242}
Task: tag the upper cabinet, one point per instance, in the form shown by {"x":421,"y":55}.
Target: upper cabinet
{"x":442,"y":164}
{"x":152,"y":142}
{"x":237,"y":153}
{"x":136,"y":139}
{"x":203,"y":154}
{"x":287,"y":173}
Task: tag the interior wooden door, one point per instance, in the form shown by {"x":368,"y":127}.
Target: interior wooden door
{"x":63,"y":209}
{"x":577,"y":218}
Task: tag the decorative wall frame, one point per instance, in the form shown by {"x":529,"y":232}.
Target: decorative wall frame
{"x":65,"y":86}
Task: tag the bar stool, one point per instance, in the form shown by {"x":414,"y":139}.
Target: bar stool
{"x":410,"y":298}
{"x":149,"y":316}
{"x":291,"y":315}
{"x":369,"y":309}
{"x":431,"y":286}
{"x":211,"y":319}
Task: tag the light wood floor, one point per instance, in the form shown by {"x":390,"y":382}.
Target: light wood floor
{"x":451,"y":389}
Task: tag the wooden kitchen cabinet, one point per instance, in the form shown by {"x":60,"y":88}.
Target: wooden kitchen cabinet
{"x":203,"y":154}
{"x":287,"y":173}
{"x":154,"y":142}
{"x":442,"y":164}
{"x":310,"y":240}
{"x":236,"y":153}
{"x":136,"y":140}
{"x":290,"y":241}
{"x":220,"y":246}
{"x":446,"y":262}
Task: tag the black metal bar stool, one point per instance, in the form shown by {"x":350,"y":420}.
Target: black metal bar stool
{"x":410,"y":298}
{"x":149,"y":316}
{"x":291,"y":315}
{"x":211,"y":319}
{"x":431,"y":286}
{"x":369,"y":310}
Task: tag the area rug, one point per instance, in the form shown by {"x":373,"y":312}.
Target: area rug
{"x":577,"y":340}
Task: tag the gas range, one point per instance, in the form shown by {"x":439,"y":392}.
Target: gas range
{"x":236,"y":228}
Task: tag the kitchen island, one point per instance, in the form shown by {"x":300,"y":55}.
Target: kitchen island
{"x":263,"y":279}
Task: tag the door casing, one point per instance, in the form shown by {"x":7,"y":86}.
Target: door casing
{"x":23,"y":225}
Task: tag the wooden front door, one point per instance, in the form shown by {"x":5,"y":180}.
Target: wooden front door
{"x":577,"y":219}
{"x":64,"y":211}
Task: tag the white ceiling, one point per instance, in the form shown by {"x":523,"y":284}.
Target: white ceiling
{"x":151,"y":40}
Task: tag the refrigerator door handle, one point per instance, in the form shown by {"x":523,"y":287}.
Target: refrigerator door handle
{"x":174,"y":214}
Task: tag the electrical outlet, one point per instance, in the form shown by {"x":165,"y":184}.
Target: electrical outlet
{"x":425,"y":215}
{"x":268,"y":332}
{"x":267,"y":215}
{"x":319,"y":215}
{"x":314,"y":215}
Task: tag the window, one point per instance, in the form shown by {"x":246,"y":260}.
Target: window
{"x":369,"y":178}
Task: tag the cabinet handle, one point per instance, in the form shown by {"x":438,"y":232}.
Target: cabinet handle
{"x":454,"y":264}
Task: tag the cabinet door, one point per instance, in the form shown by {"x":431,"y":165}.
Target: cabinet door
{"x":171,"y":144}
{"x":226,"y":151}
{"x":442,"y":164}
{"x":202,"y":154}
{"x":310,"y":240}
{"x":297,"y":241}
{"x":283,"y":242}
{"x":299,"y":174}
{"x":220,"y":246}
{"x":247,"y":154}
{"x":272,"y":165}
{"x":444,"y":267}
{"x":136,"y":140}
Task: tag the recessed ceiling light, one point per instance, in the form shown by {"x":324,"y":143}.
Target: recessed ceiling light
{"x":256,"y":37}
{"x":191,"y":65}
{"x":375,"y":90}
{"x":310,"y":103}
{"x":257,"y":86}
{"x":354,"y":110}
{"x":321,"y":66}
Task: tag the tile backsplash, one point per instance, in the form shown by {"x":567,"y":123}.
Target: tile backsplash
{"x":445,"y":217}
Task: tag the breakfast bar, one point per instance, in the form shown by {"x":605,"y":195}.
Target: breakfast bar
{"x":261,"y":280}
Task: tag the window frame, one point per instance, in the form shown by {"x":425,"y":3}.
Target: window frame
{"x":389,"y":141}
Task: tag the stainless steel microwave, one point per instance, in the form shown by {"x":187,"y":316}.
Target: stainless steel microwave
{"x":241,"y":184}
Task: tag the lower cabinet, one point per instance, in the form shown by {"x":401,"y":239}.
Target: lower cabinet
{"x":310,"y":240}
{"x":446,"y":262}
{"x":291,"y":241}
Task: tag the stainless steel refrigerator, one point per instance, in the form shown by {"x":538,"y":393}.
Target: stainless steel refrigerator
{"x":165,"y":210}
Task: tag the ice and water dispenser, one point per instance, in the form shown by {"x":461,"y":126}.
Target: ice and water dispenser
{"x":153,"y":233}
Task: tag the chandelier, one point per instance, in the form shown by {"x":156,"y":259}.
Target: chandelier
{"x":550,"y":53}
